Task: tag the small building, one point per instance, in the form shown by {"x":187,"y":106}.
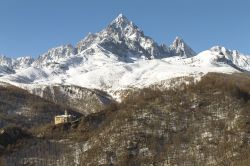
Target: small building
{"x":63,"y":118}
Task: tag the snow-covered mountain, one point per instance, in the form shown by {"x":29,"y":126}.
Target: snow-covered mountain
{"x":234,"y":56}
{"x":9,"y":65}
{"x":54,"y":55}
{"x":180,"y":48}
{"x":116,"y":58}
{"x":124,"y":39}
{"x":22,"y":62}
{"x":5,"y":61}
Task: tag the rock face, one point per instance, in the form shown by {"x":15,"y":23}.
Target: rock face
{"x":180,"y":48}
{"x":5,"y":66}
{"x":55,"y":55}
{"x":5,"y":61}
{"x":123,"y":38}
{"x":19,"y":63}
{"x":234,"y":56}
{"x":23,"y":62}
{"x":126,"y":40}
{"x":85,"y":101}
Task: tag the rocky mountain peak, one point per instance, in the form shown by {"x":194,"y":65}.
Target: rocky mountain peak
{"x":23,"y":62}
{"x":240,"y":60}
{"x":224,"y":51}
{"x":121,"y":20}
{"x":219,"y":49}
{"x":178,"y":42}
{"x":181,"y":48}
{"x":56,"y":54}
{"x":123,"y":27}
{"x":121,"y":37}
{"x":18,"y":63}
{"x":126,"y":40}
{"x":5,"y":61}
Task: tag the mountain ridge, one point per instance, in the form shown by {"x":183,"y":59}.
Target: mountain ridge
{"x":127,"y":30}
{"x":119,"y":23}
{"x":118,"y":57}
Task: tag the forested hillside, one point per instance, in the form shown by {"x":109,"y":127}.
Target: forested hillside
{"x":202,"y":123}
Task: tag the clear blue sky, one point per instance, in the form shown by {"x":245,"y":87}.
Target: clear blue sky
{"x":31,"y":27}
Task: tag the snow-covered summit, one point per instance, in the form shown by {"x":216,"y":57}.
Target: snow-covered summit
{"x":126,"y":40}
{"x":180,"y":48}
{"x":121,"y":21}
{"x":55,"y":55}
{"x":23,"y":62}
{"x":18,"y":63}
{"x":5,"y":61}
{"x":120,"y":56}
{"x":237,"y":58}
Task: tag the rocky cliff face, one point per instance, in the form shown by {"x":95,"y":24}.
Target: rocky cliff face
{"x":22,"y":62}
{"x":5,"y":61}
{"x":19,"y":63}
{"x":234,"y":56}
{"x":180,"y":48}
{"x":85,"y":101}
{"x":123,"y":38}
{"x":55,"y":55}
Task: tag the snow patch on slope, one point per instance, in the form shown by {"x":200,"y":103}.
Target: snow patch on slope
{"x":103,"y":71}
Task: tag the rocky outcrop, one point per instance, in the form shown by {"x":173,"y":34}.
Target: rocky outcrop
{"x":180,"y":48}
{"x":85,"y":101}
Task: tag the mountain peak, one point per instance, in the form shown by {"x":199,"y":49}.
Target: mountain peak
{"x":182,"y":48}
{"x":121,"y":16}
{"x":232,"y":54}
{"x":121,"y":21}
{"x":224,"y":51}
{"x":123,"y":38}
{"x":178,"y":42}
{"x":218,"y":48}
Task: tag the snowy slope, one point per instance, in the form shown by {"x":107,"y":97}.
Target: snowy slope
{"x":234,"y":56}
{"x":103,"y":70}
{"x":22,"y":62}
{"x":54,"y":55}
{"x":118,"y":57}
{"x":5,"y":65}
